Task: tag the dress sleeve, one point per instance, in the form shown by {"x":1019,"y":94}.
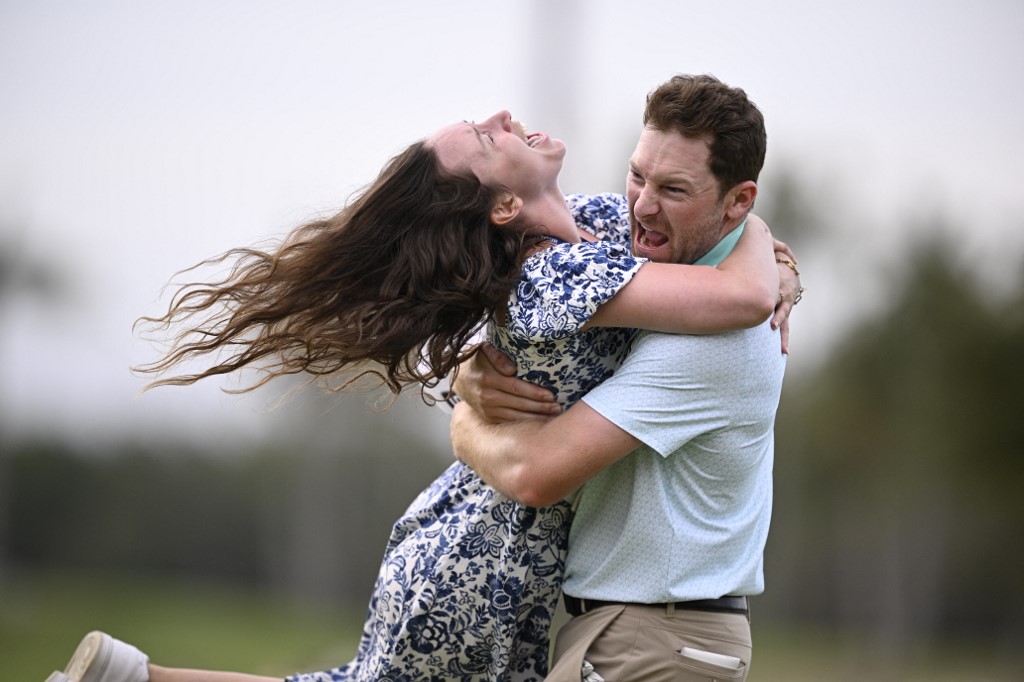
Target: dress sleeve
{"x":606,"y":215}
{"x":561,"y":287}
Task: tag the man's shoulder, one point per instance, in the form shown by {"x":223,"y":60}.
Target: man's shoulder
{"x":693,"y":354}
{"x":673,"y":388}
{"x":723,"y":341}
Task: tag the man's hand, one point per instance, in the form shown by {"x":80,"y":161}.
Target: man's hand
{"x":790,"y":290}
{"x":487,"y":382}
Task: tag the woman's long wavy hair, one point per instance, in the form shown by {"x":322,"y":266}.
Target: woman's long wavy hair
{"x":393,"y":286}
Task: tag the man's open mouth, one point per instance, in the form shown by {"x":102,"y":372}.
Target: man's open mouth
{"x":650,"y":239}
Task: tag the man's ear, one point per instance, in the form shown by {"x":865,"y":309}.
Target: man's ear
{"x":740,"y":199}
{"x":507,"y":208}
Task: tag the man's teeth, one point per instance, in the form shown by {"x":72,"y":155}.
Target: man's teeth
{"x":645,"y":238}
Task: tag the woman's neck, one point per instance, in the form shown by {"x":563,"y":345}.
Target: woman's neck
{"x":550,"y":213}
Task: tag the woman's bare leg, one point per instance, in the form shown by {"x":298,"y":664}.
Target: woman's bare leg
{"x":160,"y":674}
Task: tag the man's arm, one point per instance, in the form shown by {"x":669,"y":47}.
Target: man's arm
{"x":539,"y":462}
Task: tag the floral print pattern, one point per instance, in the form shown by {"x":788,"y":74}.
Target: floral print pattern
{"x":470,"y":578}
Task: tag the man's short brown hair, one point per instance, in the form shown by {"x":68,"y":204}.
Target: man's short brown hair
{"x":703,"y":107}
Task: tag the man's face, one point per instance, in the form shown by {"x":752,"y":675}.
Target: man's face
{"x":675,"y":213}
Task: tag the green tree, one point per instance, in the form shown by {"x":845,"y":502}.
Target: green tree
{"x":898,"y":470}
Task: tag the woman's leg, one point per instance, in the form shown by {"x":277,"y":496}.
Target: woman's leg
{"x":101,"y":658}
{"x":160,"y":674}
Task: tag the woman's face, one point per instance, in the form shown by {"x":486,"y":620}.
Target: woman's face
{"x":500,"y":153}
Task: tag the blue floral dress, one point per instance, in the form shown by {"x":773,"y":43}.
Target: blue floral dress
{"x":470,"y":579}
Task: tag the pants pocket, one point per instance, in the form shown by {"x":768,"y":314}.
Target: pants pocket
{"x":707,"y":666}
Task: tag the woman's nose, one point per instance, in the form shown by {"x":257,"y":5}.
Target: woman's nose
{"x":502,"y":119}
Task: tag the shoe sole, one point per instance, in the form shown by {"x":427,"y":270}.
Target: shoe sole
{"x":87,"y":660}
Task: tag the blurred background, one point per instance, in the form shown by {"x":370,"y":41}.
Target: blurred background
{"x":244,"y":532}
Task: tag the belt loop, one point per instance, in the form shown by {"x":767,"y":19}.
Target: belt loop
{"x":670,"y":609}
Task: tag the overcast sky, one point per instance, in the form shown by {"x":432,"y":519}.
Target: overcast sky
{"x":139,"y":137}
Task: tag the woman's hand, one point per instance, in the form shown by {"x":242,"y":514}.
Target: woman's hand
{"x":790,"y":291}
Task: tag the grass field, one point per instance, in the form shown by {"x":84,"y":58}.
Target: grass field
{"x":43,"y":616}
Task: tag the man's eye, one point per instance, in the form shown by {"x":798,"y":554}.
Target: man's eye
{"x":490,"y":137}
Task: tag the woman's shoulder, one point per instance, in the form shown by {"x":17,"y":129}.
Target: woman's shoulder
{"x":605,"y":215}
{"x":604,"y":204}
{"x":561,"y":287}
{"x":563,"y":259}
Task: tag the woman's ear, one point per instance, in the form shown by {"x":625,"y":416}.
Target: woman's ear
{"x":507,"y":208}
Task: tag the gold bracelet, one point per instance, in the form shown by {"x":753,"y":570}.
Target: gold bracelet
{"x":789,"y":264}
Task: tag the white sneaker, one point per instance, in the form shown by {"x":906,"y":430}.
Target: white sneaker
{"x":101,"y":658}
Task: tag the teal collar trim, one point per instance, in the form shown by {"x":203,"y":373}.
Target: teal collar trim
{"x":723,"y":248}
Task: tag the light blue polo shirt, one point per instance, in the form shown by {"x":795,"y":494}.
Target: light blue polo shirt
{"x":686,"y":515}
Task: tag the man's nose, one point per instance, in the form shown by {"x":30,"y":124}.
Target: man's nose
{"x":646,"y":203}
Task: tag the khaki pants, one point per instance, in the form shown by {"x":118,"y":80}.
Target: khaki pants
{"x":627,"y":643}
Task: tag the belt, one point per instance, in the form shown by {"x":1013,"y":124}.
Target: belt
{"x":577,"y":607}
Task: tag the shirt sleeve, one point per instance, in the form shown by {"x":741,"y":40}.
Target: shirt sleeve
{"x":605,"y":215}
{"x":663,"y":394}
{"x":562,"y":286}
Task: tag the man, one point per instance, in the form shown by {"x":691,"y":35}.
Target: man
{"x":667,"y":543}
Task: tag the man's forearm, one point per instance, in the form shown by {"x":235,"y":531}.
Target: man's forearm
{"x":491,"y":450}
{"x":539,"y":461}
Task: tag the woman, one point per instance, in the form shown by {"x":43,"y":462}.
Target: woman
{"x":467,"y":225}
